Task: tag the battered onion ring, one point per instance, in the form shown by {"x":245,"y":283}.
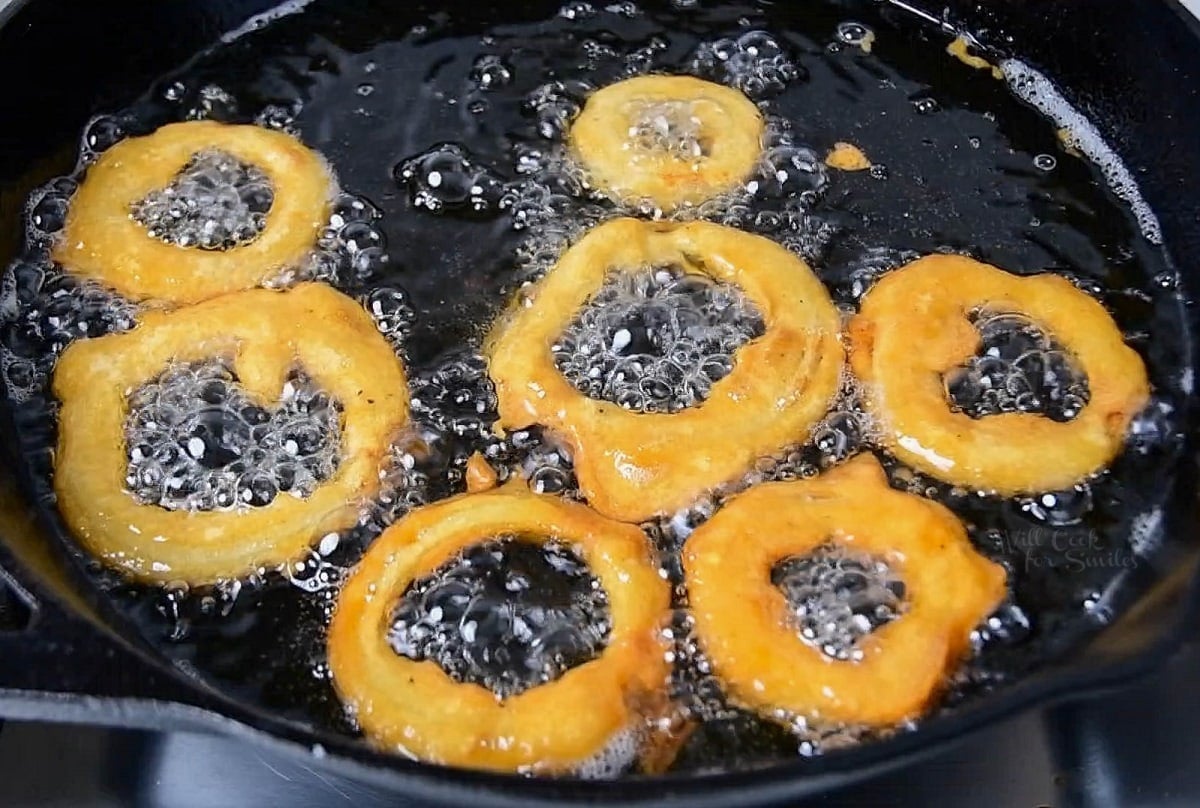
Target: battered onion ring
{"x":632,"y":466}
{"x":416,"y":708}
{"x":913,"y":329}
{"x":267,"y":334}
{"x":744,"y":623}
{"x":101,"y":240}
{"x":731,"y":131}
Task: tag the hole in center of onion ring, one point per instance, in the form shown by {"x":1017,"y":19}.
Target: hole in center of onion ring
{"x":215,"y":202}
{"x":196,"y":441}
{"x":656,"y":340}
{"x":504,"y":614}
{"x":1018,"y":368}
{"x":837,"y":596}
{"x":668,"y":127}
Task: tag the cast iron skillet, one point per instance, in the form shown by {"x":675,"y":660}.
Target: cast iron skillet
{"x":1132,"y":65}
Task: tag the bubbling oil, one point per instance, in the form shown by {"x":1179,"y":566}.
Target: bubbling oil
{"x":754,"y":62}
{"x":838,"y":596}
{"x":214,"y":203}
{"x":656,"y":340}
{"x":197,"y":442}
{"x":505,"y":614}
{"x":668,"y":127}
{"x":451,"y":134}
{"x":1018,"y":368}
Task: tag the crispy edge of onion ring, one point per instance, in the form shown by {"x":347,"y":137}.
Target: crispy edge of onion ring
{"x":266,"y":334}
{"x":743,"y":620}
{"x":416,"y":708}
{"x":102,"y":241}
{"x":632,"y":466}
{"x":731,"y":125}
{"x":913,"y":328}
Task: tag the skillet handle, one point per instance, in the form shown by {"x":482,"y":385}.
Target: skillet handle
{"x":58,"y":660}
{"x":59,"y":666}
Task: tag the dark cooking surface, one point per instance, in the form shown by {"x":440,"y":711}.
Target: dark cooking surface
{"x":964,"y":167}
{"x":1161,"y":178}
{"x":1131,"y":749}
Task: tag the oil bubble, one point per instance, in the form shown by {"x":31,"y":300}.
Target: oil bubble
{"x":657,"y":340}
{"x":101,"y":134}
{"x":490,"y":72}
{"x":47,"y":213}
{"x":853,"y":33}
{"x":390,"y":308}
{"x":1155,"y":427}
{"x":444,"y":179}
{"x":754,"y":63}
{"x":555,"y":104}
{"x":577,"y":10}
{"x":791,"y":172}
{"x":456,"y":397}
{"x":505,"y":614}
{"x":214,"y":103}
{"x":625,"y":9}
{"x":838,"y":596}
{"x":280,"y":117}
{"x":1059,"y":508}
{"x":215,"y":202}
{"x":1018,"y":368}
{"x":925,"y":105}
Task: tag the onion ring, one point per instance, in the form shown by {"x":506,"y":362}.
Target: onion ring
{"x":913,"y":329}
{"x":632,"y":466}
{"x":267,"y":334}
{"x":724,"y":148}
{"x":102,"y":241}
{"x":743,"y":620}
{"x":414,"y":707}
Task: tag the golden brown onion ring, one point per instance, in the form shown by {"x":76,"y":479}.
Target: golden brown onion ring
{"x":266,"y":334}
{"x":631,"y":465}
{"x":102,"y":241}
{"x":744,"y":622}
{"x":914,"y":329}
{"x":729,"y":126}
{"x":414,"y":707}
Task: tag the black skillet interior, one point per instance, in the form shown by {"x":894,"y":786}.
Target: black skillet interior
{"x":70,"y":645}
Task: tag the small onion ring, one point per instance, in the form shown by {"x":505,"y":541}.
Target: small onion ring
{"x":102,"y":241}
{"x":743,"y":621}
{"x":730,"y":124}
{"x":415,"y":708}
{"x":632,"y":466}
{"x":267,"y":334}
{"x":913,"y":329}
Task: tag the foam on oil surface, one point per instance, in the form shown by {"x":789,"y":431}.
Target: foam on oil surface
{"x":1080,"y":133}
{"x":1018,"y":368}
{"x":214,"y":203}
{"x":197,"y":442}
{"x":668,"y":127}
{"x":505,"y":614}
{"x":656,"y":340}
{"x":754,"y":62}
{"x":838,"y":596}
{"x":260,"y":21}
